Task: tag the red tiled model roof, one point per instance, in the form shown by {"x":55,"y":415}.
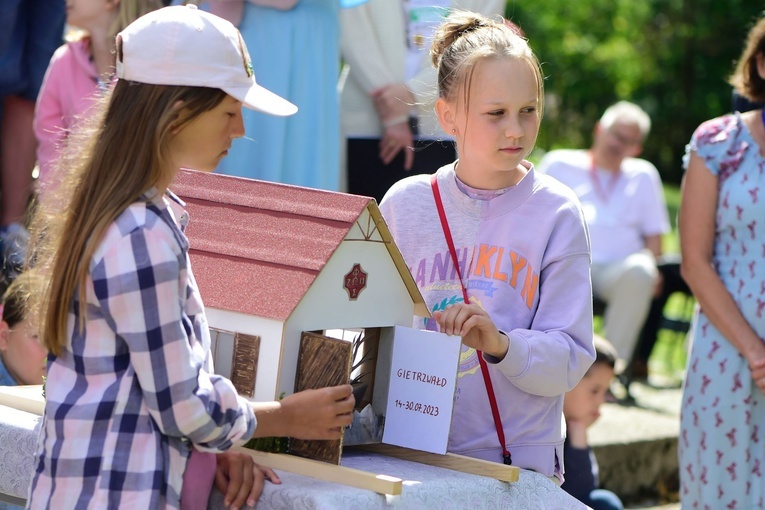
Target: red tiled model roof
{"x":293,"y":232}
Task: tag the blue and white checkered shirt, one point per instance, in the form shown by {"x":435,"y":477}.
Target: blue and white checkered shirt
{"x":134,"y":389}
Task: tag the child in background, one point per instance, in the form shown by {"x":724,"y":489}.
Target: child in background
{"x":79,"y":73}
{"x":133,"y":410}
{"x":506,"y":266}
{"x":581,"y":408}
{"x":22,"y":356}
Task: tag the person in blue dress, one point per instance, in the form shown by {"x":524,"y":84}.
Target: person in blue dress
{"x":295,"y":46}
{"x":722,"y":233}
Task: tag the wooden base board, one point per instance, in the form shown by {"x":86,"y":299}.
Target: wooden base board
{"x":453,"y":461}
{"x":23,"y":398}
{"x":30,"y":399}
{"x":382,"y":484}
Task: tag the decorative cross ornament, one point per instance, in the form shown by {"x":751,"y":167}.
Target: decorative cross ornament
{"x":355,"y":281}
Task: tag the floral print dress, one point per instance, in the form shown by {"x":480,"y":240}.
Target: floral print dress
{"x":722,"y":445}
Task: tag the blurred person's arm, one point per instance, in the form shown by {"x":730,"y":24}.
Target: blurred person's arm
{"x":653,"y":243}
{"x":580,"y":476}
{"x":49,"y":118}
{"x":371,"y":35}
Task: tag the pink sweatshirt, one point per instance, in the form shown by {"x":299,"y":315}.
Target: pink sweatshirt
{"x":69,"y":90}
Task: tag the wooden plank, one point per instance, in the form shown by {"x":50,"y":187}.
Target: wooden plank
{"x":453,"y":461}
{"x":381,"y":484}
{"x":23,"y":398}
{"x":365,"y":363}
{"x":322,"y":361}
{"x":244,"y":363}
{"x":30,"y":399}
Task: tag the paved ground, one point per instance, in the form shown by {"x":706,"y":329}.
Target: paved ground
{"x":636,"y":447}
{"x":655,"y":414}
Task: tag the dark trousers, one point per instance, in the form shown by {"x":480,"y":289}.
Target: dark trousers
{"x":669,"y":268}
{"x":369,"y":176}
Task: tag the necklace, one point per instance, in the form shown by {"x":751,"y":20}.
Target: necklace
{"x":605,"y":194}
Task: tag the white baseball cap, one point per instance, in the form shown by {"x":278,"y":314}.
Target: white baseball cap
{"x":182,"y":45}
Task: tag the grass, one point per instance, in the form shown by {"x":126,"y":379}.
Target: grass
{"x":669,"y":355}
{"x":672,"y":196}
{"x":670,"y":352}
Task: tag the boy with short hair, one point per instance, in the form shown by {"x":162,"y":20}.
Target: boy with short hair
{"x":581,"y":408}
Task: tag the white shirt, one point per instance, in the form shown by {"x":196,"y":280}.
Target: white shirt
{"x":621,"y":209}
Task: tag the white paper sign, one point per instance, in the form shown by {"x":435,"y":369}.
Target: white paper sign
{"x":421,"y":395}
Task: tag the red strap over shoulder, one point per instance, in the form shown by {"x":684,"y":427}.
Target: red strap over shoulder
{"x":484,"y":368}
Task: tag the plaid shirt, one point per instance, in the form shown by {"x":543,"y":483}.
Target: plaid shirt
{"x":134,"y":389}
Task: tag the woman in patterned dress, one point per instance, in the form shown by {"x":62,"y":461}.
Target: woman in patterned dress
{"x":722,"y":233}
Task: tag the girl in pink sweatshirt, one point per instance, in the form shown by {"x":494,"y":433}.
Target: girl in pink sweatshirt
{"x":79,"y":72}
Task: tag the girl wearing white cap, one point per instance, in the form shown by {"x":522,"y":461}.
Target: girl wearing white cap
{"x":131,"y":401}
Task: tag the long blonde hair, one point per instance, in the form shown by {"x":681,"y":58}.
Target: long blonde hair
{"x":109,"y":166}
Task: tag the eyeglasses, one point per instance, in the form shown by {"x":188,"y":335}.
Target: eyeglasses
{"x":623,"y":139}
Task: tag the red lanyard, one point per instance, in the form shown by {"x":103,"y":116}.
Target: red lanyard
{"x":484,"y":368}
{"x":603,"y":194}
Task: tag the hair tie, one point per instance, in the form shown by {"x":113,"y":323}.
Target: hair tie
{"x":474,"y":25}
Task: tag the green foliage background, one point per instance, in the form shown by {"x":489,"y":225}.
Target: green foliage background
{"x":672,"y":57}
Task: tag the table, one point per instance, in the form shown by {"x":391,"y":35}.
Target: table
{"x":424,"y":486}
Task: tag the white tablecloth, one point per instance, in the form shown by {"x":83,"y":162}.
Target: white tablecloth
{"x":425,"y":486}
{"x":18,"y":441}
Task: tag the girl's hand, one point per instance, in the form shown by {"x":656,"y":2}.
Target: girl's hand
{"x":240,"y":480}
{"x":476,"y":328}
{"x":318,"y":414}
{"x":308,"y":414}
